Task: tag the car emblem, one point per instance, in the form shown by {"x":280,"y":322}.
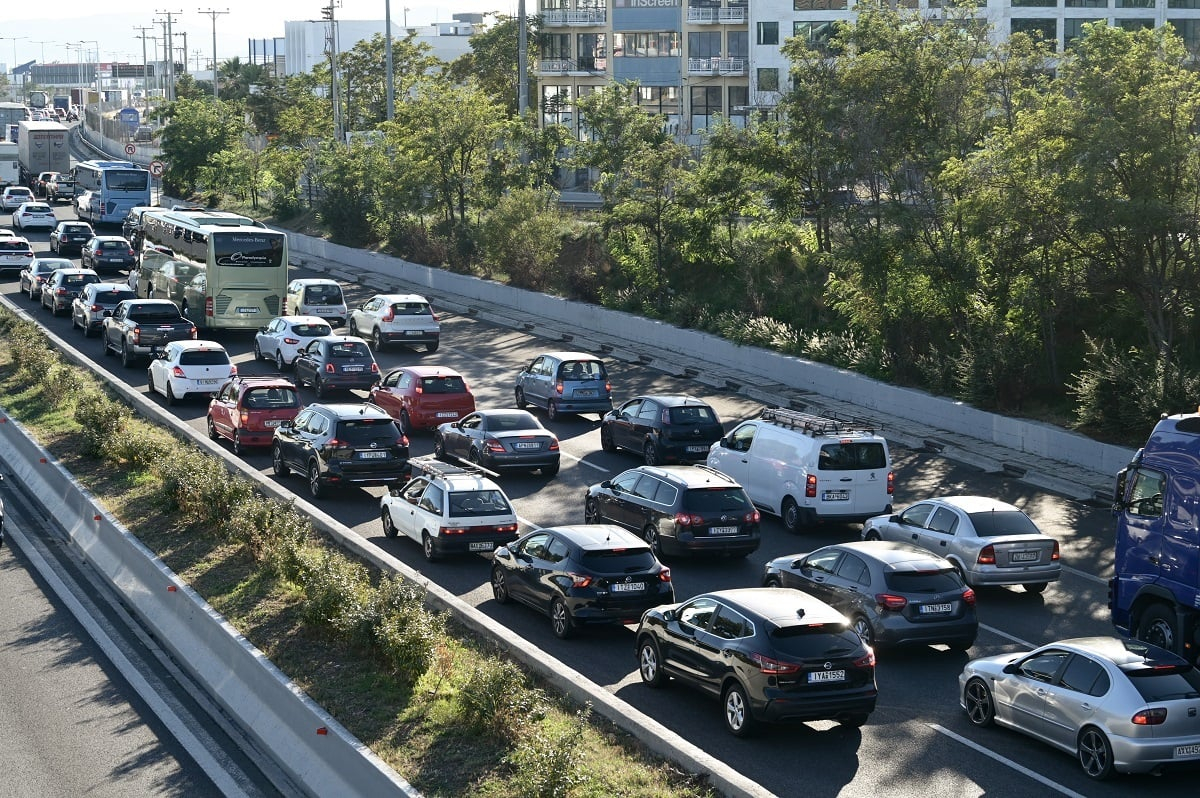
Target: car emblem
{"x":374,"y":445}
{"x":726,"y":518}
{"x":629,"y":579}
{"x":828,"y":665}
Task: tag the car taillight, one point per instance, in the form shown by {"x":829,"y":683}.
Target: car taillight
{"x":137,"y":336}
{"x":890,"y":601}
{"x":94,"y":309}
{"x":554,"y":446}
{"x":244,"y":417}
{"x":580,"y":580}
{"x":389,"y":316}
{"x":418,"y":390}
{"x":608,"y":386}
{"x":987,"y":555}
{"x":1150,"y":717}
{"x":334,"y":443}
{"x":328,"y":368}
{"x":494,"y":446}
{"x":810,"y":486}
{"x":62,"y":292}
{"x":867,"y":660}
{"x":891,"y":483}
{"x":131,"y":253}
{"x":772,"y":666}
{"x":558,"y":388}
{"x":969,"y":597}
{"x":232,"y":370}
{"x":193,"y":335}
{"x":291,"y":341}
{"x":433,"y":315}
{"x":686,"y":519}
{"x":402,"y":440}
{"x":664,"y":575}
{"x":178,"y":372}
{"x":1054,"y":555}
{"x":452,"y":530}
{"x":374,"y":368}
{"x":208,"y":307}
{"x":752,"y":517}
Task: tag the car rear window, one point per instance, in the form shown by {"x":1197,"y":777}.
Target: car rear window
{"x":617,"y":561}
{"x":510,"y":422}
{"x":691,"y":414}
{"x":853,"y":456}
{"x":716,"y":500}
{"x":944,"y":581}
{"x":323,"y":294}
{"x":76,"y":280}
{"x":37,"y":209}
{"x":271,"y":398}
{"x":349,"y":349}
{"x":995,"y":523}
{"x":1159,"y":684}
{"x":366,"y":430}
{"x":581,"y":370}
{"x":204,"y":357}
{"x":311,"y":330}
{"x":9,"y":245}
{"x":123,"y":246}
{"x":114,"y":296}
{"x":465,"y":503}
{"x":815,"y":640}
{"x":411,"y":309}
{"x":454,"y":384}
{"x":153,"y":314}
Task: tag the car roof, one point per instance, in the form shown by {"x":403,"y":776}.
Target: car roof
{"x":111,"y":287}
{"x":402,"y":298}
{"x":780,"y":606}
{"x":673,"y":399}
{"x":693,"y":476}
{"x":304,"y":320}
{"x":198,"y":344}
{"x":975,"y":504}
{"x":50,"y":261}
{"x":896,"y":555}
{"x":1120,"y":651}
{"x":429,"y":371}
{"x":566,"y":355}
{"x":314,"y":281}
{"x":344,"y":410}
{"x":263,"y":381}
{"x":598,"y":537}
{"x":110,"y":238}
{"x":337,"y":338}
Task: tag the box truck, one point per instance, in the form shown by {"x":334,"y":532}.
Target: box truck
{"x":10,"y":170}
{"x":42,"y":147}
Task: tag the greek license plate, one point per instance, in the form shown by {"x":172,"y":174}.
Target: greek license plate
{"x":481,"y":545}
{"x":722,"y":530}
{"x":1024,"y":556}
{"x":206,"y":382}
{"x":826,"y":676}
{"x":935,"y":609}
{"x":373,"y":455}
{"x":836,"y":495}
{"x":526,"y":445}
{"x":114,"y":260}
{"x":697,"y":448}
{"x":272,"y":423}
{"x":448,"y":414}
{"x":627,"y":587}
{"x":247,"y":310}
{"x":352,"y":368}
{"x":1187,"y":751}
{"x":585,"y":393}
{"x":414,"y":333}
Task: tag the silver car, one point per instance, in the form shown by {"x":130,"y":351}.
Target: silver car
{"x":990,"y":542}
{"x":1116,"y":704}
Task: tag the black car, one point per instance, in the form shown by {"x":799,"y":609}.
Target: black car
{"x":70,"y":237}
{"x":335,"y":361}
{"x":678,"y":509}
{"x":583,"y":574}
{"x":499,"y":439}
{"x":662,"y":428}
{"x":769,"y":655}
{"x":341,"y":444}
{"x":61,"y":288}
{"x":894,"y":594}
{"x":108,"y":254}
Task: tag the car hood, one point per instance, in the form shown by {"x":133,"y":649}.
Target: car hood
{"x":992,"y":666}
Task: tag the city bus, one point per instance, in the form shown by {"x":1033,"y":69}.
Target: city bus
{"x":237,"y":270}
{"x":116,"y":187}
{"x":10,"y":115}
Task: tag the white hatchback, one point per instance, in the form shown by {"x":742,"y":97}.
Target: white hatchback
{"x":396,"y":319}
{"x":185,"y":367}
{"x":34,"y":214}
{"x":285,"y":336}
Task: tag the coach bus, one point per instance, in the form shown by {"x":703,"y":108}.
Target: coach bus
{"x":115,"y":186}
{"x":236,"y":270}
{"x":10,"y":115}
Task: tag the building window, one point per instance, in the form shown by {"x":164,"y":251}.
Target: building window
{"x":556,"y":106}
{"x":593,"y":51}
{"x":767,"y":79}
{"x":1073,"y":28}
{"x":1135,"y":3}
{"x":1047,"y":28}
{"x":739,"y":105}
{"x":1183,"y":3}
{"x":1034,"y":3}
{"x":768,"y":33}
{"x":556,"y":46}
{"x":647,"y":45}
{"x":821,"y":5}
{"x":1189,"y":31}
{"x":591,"y":5}
{"x":706,"y":104}
{"x":739,"y":44}
{"x":1136,"y":24}
{"x":660,"y":100}
{"x":1085,"y":3}
{"x":816,"y":33}
{"x":704,"y":45}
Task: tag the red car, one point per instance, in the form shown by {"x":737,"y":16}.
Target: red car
{"x":421,"y":397}
{"x":248,"y":409}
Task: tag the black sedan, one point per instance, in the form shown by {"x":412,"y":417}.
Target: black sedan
{"x":583,"y":574}
{"x":335,"y":361}
{"x":499,"y":439}
{"x":662,"y":428}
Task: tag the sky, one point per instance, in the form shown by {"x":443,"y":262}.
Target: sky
{"x":41,"y":32}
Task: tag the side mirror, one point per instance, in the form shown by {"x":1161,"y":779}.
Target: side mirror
{"x":669,"y":616}
{"x":1011,"y":667}
{"x":394,"y":491}
{"x":287,"y":424}
{"x":725,"y":444}
{"x":608,"y":484}
{"x":895,"y":519}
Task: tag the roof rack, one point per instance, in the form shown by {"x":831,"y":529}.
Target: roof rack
{"x":440,"y":468}
{"x":818,"y":425}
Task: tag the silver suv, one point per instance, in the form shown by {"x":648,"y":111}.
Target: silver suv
{"x":396,"y":319}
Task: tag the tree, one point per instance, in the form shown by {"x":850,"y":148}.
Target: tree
{"x":492,"y":61}
{"x":236,"y":78}
{"x":363,"y":73}
{"x":197,"y":132}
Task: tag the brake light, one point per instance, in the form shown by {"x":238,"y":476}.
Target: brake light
{"x":866,"y":661}
{"x":434,"y":315}
{"x":244,"y":417}
{"x":374,"y":368}
{"x":969,"y":597}
{"x":193,"y":336}
{"x":580,"y":580}
{"x":419,"y":389}
{"x":328,"y":368}
{"x":94,"y":309}
{"x":987,"y":555}
{"x":773,"y":666}
{"x":889,"y":601}
{"x":686,"y":519}
{"x":810,"y":486}
{"x":389,"y":316}
{"x":1150,"y":717}
{"x":554,"y":445}
{"x":608,"y":386}
{"x":62,"y":292}
{"x":291,"y":341}
{"x":137,"y":336}
{"x":178,"y":372}
{"x":1054,"y":554}
{"x":208,"y":307}
{"x":664,"y":575}
{"x":752,"y":517}
{"x":558,"y":388}
{"x":495,"y":446}
{"x":891,"y":483}
{"x":452,"y":530}
{"x":232,"y":370}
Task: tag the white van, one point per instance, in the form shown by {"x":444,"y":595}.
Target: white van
{"x":809,"y":469}
{"x":316,"y":296}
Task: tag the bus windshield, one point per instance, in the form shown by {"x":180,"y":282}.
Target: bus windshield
{"x":258,"y":250}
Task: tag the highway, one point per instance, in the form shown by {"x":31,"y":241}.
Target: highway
{"x":917,"y":743}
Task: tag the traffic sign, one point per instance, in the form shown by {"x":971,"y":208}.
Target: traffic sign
{"x":157,"y":168}
{"x":130,"y":149}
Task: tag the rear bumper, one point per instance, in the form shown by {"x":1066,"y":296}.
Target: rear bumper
{"x":991,"y":576}
{"x":501,"y":461}
{"x":729,"y":546}
{"x":781,"y":706}
{"x":472,"y":543}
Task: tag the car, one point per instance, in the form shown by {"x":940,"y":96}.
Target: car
{"x":449,"y":510}
{"x":335,"y":361}
{"x":14,"y":197}
{"x":316,"y":296}
{"x":131,"y":225}
{"x":7,"y":233}
{"x":143,"y":133}
{"x":339,"y":444}
{"x":171,"y":281}
{"x":283,"y":338}
{"x":63,"y":286}
{"x":678,"y":510}
{"x":184,"y":367}
{"x":94,"y":302}
{"x":85,"y":203}
{"x":34,"y":215}
{"x":70,"y":237}
{"x":110,"y":254}
{"x":34,"y":276}
{"x":1115,"y":704}
{"x":397,"y":318}
{"x":990,"y":542}
{"x":770,"y":655}
{"x":662,"y":428}
{"x":41,"y":181}
{"x":581,"y":575}
{"x":421,"y":397}
{"x":499,"y":440}
{"x":246,"y":410}
{"x":565,"y":382}
{"x":15,"y":253}
{"x":894,"y":594}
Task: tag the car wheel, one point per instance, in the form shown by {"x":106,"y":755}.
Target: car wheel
{"x":560,"y":619}
{"x":319,"y":387}
{"x":1157,"y":627}
{"x":389,"y":526}
{"x":862,"y":627}
{"x":977,"y":697}
{"x":772,"y":581}
{"x":1095,"y":753}
{"x":315,"y":488}
{"x":171,"y":398}
{"x":212,"y":430}
{"x":86,"y":329}
{"x":473,"y":457}
{"x":520,"y":396}
{"x":650,"y":535}
{"x":258,"y":355}
{"x":104,"y":350}
{"x":431,"y":347}
{"x":126,"y":358}
{"x":854,"y":720}
{"x":738,"y":719}
{"x":960,"y":646}
{"x":606,"y":440}
{"x":280,"y":363}
{"x":499,"y":585}
{"x":354,"y":329}
{"x":650,"y":663}
{"x":439,"y":447}
{"x":427,"y":548}
{"x":790,"y":514}
{"x":650,"y":453}
{"x":1035,"y":587}
{"x":591,"y":511}
{"x":238,"y":448}
{"x":405,"y":423}
{"x":279,"y":467}
{"x":377,"y":340}
{"x":550,"y":471}
{"x":872,"y":534}
{"x":551,"y":410}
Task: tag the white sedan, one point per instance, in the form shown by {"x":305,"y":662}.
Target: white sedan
{"x":285,"y":336}
{"x":185,"y":367}
{"x":34,"y":214}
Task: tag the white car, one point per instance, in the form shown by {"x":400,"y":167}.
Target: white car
{"x":449,"y":509}
{"x":396,"y":319}
{"x":285,"y":336}
{"x":185,"y":367}
{"x":34,"y":214}
{"x":14,"y":197}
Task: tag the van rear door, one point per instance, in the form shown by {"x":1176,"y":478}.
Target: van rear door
{"x":852,"y":477}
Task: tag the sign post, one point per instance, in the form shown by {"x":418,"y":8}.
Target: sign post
{"x":130,"y":149}
{"x":157,"y":168}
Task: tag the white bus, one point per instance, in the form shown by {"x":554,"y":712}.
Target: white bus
{"x":10,"y":115}
{"x":237,"y":270}
{"x":116,"y":187}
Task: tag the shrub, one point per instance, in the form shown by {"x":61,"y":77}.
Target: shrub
{"x":63,"y":384}
{"x":31,"y":352}
{"x":495,"y":700}
{"x":336,"y":591}
{"x":271,"y":531}
{"x":102,"y":421}
{"x":200,"y":487}
{"x":549,"y":762}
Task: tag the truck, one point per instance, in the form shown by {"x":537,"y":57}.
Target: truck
{"x":62,"y":101}
{"x":42,"y":147}
{"x":10,"y":169}
{"x":139,"y":328}
{"x":1154,"y":594}
{"x":38,"y":99}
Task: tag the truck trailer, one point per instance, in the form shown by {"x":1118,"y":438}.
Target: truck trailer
{"x":42,"y":148}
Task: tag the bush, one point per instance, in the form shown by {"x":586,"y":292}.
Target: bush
{"x":31,"y":352}
{"x":63,"y":384}
{"x":549,"y":763}
{"x":102,"y":421}
{"x":200,"y":487}
{"x":495,"y":700}
{"x":336,"y":591}
{"x":408,"y":639}
{"x":271,"y":531}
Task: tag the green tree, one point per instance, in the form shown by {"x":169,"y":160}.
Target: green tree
{"x":363,"y":73}
{"x":198,"y":130}
{"x":236,"y":77}
{"x":492,"y":62}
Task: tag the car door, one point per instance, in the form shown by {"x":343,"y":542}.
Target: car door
{"x":685,"y":652}
{"x":523,"y":577}
{"x":288,"y":437}
{"x":1022,"y":695}
{"x":715,"y":646}
{"x":623,"y":424}
{"x":849,"y":589}
{"x":387,"y":394}
{"x":221,"y":408}
{"x":817,"y":573}
{"x":611,"y":503}
{"x":909,"y":524}
{"x":731,"y":456}
{"x":938,"y":534}
{"x":534,"y":381}
{"x":1072,"y":700}
{"x":404,"y":513}
{"x":305,"y":365}
{"x":458,"y":437}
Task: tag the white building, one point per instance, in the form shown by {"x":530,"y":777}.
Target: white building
{"x":306,"y":41}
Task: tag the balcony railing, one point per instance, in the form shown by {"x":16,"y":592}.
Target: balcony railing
{"x":561,"y":17}
{"x":554,"y":66}
{"x":716,"y":66}
{"x":563,"y":66}
{"x":735,"y":15}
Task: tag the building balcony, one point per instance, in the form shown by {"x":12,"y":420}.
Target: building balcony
{"x":560,"y":18}
{"x":731,"y":66}
{"x":716,"y":66}
{"x":565,"y":66}
{"x":733,"y":15}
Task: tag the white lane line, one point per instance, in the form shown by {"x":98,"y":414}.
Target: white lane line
{"x":1085,"y":575}
{"x":1007,"y":636}
{"x":1058,"y":788}
{"x":581,"y":461}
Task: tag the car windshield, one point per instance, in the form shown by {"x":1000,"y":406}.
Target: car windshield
{"x":478,"y":502}
{"x":818,"y":640}
{"x":851,"y":456}
{"x":995,"y":523}
{"x":717,"y":500}
{"x":453,"y":384}
{"x":618,"y":561}
{"x":348,"y":349}
{"x":944,"y":581}
{"x":204,"y":357}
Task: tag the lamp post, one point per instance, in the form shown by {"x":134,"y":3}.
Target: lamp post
{"x":145,"y":81}
{"x":214,"y":14}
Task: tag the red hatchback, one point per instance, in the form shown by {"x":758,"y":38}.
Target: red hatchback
{"x":248,"y":409}
{"x":421,"y":397}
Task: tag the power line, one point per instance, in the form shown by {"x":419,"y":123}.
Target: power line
{"x":214,"y":14}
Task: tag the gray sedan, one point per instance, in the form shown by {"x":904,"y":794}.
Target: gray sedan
{"x":499,"y":439}
{"x":1116,"y":704}
{"x":990,"y":542}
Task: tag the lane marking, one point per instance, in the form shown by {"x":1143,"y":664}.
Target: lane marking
{"x":1007,"y":762}
{"x":1007,"y":636}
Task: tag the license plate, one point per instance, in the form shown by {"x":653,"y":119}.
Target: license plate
{"x":722,"y":530}
{"x":697,"y":448}
{"x":1024,"y":556}
{"x":1187,"y":751}
{"x":627,"y":587}
{"x":836,"y":495}
{"x":247,"y":310}
{"x":450,"y":414}
{"x":272,"y":423}
{"x":352,"y":368}
{"x":527,"y":445}
{"x":414,"y":333}
{"x":374,"y":455}
{"x":935,"y":609}
{"x":585,"y":393}
{"x":826,"y":676}
{"x":481,"y":545}
{"x":114,"y":260}
{"x":206,"y":382}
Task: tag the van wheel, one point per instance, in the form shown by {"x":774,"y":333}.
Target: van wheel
{"x":790,"y":514}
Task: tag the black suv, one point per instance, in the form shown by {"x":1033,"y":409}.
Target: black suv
{"x":663,"y":429}
{"x":341,"y":444}
{"x":678,"y":509}
{"x":769,"y":655}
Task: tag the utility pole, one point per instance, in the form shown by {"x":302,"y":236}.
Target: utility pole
{"x":213,"y":15}
{"x":170,"y":51}
{"x":183,"y":50}
{"x":522,"y":61}
{"x":145,"y":80}
{"x":387,"y":60}
{"x":332,"y":46}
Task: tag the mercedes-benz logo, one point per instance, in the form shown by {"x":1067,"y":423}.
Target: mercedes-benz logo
{"x":828,"y":665}
{"x":629,"y":579}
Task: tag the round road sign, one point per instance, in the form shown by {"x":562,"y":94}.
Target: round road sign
{"x":157,"y":168}
{"x":130,"y":149}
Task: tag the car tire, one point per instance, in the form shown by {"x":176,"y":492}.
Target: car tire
{"x":473,"y":457}
{"x":439,"y":447}
{"x":405,"y":423}
{"x":354,"y":329}
{"x":172,"y":399}
{"x":561,"y":622}
{"x":389,"y":526}
{"x":862,"y":628}
{"x":520,"y":399}
{"x":606,"y":439}
{"x":960,"y":646}
{"x":319,"y":387}
{"x":650,"y":663}
{"x":651,"y":454}
{"x":789,"y":513}
{"x":500,"y":585}
{"x":212,"y":429}
{"x":315,"y":488}
{"x":258,"y":355}
{"x":1156,"y":626}
{"x":591,"y":511}
{"x":86,"y":329}
{"x":427,"y":548}
{"x":735,"y":707}
{"x":238,"y":448}
{"x":278,"y":466}
{"x":432,"y":347}
{"x":550,"y":471}
{"x":1035,"y":587}
{"x":127,"y":359}
{"x":104,"y":349}
{"x":551,"y":410}
{"x":377,"y":342}
{"x":280,"y":363}
{"x":978,"y":701}
{"x":650,"y":535}
{"x":772,"y":581}
{"x":1094,"y":753}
